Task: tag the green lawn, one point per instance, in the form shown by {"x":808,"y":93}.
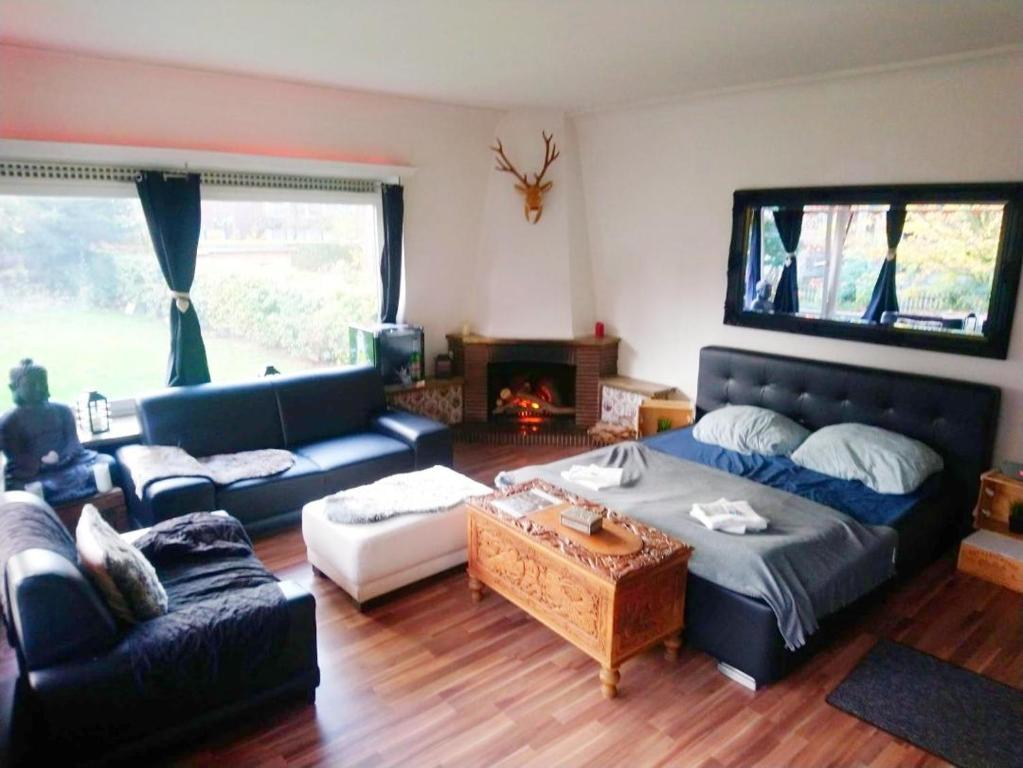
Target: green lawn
{"x":116,"y":354}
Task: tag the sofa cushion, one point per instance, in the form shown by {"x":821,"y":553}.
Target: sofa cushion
{"x":124,"y":576}
{"x":326,"y":403}
{"x":213,"y":418}
{"x":261,"y":497}
{"x":357,"y":459}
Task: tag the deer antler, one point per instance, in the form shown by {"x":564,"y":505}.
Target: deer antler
{"x":550,"y":154}
{"x":504,"y":164}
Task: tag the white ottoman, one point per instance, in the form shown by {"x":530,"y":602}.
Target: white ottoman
{"x":370,"y":559}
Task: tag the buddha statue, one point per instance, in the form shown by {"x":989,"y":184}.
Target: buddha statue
{"x":40,"y":440}
{"x":762,"y":302}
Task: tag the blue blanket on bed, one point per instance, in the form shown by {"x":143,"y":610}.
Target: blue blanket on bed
{"x":849,"y":496}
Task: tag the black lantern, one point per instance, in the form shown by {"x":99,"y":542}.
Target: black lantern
{"x":94,"y":413}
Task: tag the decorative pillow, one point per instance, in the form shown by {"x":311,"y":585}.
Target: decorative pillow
{"x":884,"y":461}
{"x":127,"y":580}
{"x":749,"y":429}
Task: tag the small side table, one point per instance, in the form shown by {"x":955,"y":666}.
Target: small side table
{"x":994,"y":552}
{"x":998,"y":495}
{"x":110,"y":504}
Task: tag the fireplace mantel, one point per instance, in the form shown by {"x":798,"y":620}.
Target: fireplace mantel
{"x":579,"y":341}
{"x":592,"y":357}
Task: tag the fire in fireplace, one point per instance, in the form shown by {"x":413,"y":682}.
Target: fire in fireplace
{"x":531,"y":393}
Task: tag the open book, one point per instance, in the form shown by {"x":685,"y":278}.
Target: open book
{"x":728,"y":516}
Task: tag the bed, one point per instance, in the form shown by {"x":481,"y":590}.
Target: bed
{"x":955,"y":418}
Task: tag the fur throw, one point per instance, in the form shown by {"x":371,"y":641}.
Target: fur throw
{"x":429,"y":490}
{"x":149,"y":463}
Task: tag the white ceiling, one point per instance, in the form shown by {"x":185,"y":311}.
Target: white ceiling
{"x":571,"y":54}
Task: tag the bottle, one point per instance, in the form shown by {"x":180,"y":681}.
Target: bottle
{"x":415,"y":367}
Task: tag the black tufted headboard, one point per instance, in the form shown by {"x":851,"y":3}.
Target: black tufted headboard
{"x":956,"y":418}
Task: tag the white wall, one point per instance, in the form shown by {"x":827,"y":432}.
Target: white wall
{"x":658,"y":184}
{"x":62,"y":97}
{"x":533,"y":280}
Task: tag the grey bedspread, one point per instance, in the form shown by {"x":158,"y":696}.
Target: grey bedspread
{"x":810,"y":562}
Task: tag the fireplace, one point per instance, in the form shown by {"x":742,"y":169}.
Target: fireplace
{"x":561,"y":377}
{"x":531,"y":394}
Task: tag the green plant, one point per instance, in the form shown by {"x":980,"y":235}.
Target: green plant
{"x":1016,"y":517}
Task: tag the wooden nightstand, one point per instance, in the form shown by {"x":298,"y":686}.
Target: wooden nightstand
{"x":993,"y":552}
{"x":998,"y":494}
{"x":110,"y":504}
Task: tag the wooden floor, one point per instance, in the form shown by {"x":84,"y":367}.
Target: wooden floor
{"x":425,"y":678}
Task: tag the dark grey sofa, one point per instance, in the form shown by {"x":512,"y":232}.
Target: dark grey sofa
{"x":335,"y":421}
{"x":79,"y":696}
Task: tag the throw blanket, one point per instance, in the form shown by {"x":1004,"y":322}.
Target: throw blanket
{"x":227,"y":616}
{"x":429,"y":490}
{"x":149,"y":463}
{"x":810,"y":562}
{"x":29,"y":526}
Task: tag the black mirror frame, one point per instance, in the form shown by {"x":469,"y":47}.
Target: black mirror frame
{"x":995,"y":341}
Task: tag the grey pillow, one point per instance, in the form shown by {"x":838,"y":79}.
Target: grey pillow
{"x":749,"y":429}
{"x":884,"y":461}
{"x":122,"y":573}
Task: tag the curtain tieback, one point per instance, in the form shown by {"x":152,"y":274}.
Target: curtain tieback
{"x":182,"y":299}
{"x":789,"y":258}
{"x":891,"y":255}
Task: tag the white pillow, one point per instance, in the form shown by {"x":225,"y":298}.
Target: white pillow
{"x":124,"y":576}
{"x":749,"y":429}
{"x":884,"y":461}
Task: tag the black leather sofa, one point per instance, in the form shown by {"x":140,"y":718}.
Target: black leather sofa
{"x":335,"y":421}
{"x":78,"y":699}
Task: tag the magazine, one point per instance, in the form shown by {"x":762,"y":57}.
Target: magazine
{"x":520,"y":504}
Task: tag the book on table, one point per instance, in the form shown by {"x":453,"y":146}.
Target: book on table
{"x":521,"y":504}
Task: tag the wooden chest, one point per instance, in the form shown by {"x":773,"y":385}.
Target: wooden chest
{"x":998,"y":494}
{"x":610,"y":606}
{"x":993,"y":557}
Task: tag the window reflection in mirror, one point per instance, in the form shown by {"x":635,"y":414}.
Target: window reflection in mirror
{"x":944,"y":263}
{"x":928,"y":266}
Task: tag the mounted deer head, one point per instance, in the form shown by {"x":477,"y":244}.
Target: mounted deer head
{"x":533,"y":193}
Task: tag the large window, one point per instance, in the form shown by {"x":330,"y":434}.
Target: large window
{"x":277,"y":283}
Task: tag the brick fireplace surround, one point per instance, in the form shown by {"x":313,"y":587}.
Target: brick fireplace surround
{"x":593,"y":358}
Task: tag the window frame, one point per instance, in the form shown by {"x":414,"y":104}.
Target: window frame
{"x":994,"y":343}
{"x":126,"y":407}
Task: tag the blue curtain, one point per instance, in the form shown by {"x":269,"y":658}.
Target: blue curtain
{"x":173,"y":214}
{"x":754,"y":259}
{"x":790,"y":224}
{"x":392,"y":196}
{"x":885,"y":298}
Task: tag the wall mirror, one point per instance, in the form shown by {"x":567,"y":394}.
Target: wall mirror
{"x":932,"y":266}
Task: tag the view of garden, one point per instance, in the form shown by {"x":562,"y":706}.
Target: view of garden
{"x":276,"y":284}
{"x":944,"y":268}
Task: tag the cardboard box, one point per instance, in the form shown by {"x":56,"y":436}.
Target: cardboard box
{"x":661,"y":415}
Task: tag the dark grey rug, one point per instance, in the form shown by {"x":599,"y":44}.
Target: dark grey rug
{"x":949,"y":711}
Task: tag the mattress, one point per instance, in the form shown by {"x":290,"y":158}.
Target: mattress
{"x":848,"y":496}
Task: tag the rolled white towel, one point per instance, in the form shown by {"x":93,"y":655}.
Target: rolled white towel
{"x":736,"y":517}
{"x":593,"y":476}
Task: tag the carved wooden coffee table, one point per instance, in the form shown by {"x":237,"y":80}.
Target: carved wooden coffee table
{"x":612,"y":595}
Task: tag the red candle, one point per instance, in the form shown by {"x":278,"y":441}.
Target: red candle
{"x":598,"y":330}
